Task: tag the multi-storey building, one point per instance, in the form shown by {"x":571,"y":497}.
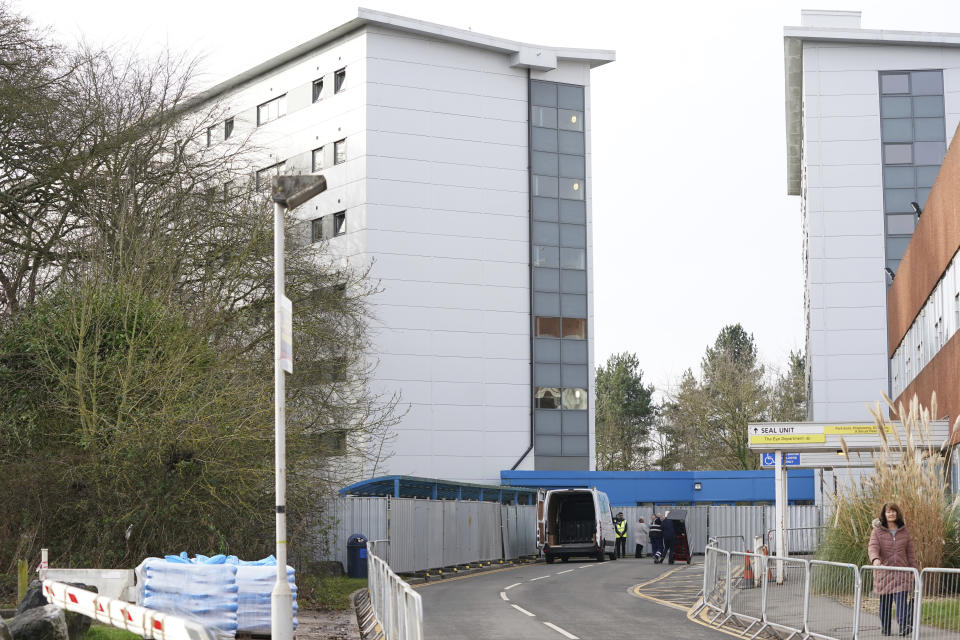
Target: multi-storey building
{"x":458,"y":168}
{"x":869,"y":116}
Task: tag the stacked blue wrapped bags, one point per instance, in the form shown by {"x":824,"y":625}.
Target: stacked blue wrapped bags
{"x":223,"y":593}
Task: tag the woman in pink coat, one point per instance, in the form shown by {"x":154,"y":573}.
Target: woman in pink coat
{"x":891,"y":546}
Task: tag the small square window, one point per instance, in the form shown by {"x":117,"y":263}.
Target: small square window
{"x":546,"y":256}
{"x":339,"y":77}
{"x":547,"y":327}
{"x":546,"y":398}
{"x":227,"y":128}
{"x":574,"y":399}
{"x":339,"y":223}
{"x":575,"y":328}
{"x":897,"y":154}
{"x":317,"y":88}
{"x":340,"y":151}
{"x":316,"y":161}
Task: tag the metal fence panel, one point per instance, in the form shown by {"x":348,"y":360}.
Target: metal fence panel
{"x":940,"y":604}
{"x":747,"y":521}
{"x":698,"y":519}
{"x":878,"y":597}
{"x":785,"y":592}
{"x":716,"y":580}
{"x":526,"y":531}
{"x":834,"y":588}
{"x":746,"y":587}
{"x":348,"y":515}
{"x":489,"y":529}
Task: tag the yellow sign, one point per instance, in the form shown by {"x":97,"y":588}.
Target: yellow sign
{"x":788,"y":438}
{"x":854,"y":429}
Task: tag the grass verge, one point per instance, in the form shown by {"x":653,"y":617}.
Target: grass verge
{"x":101,"y":632}
{"x":328,"y":592}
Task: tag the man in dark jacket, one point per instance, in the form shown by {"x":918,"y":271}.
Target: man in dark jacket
{"x":656,"y":538}
{"x":669,"y":537}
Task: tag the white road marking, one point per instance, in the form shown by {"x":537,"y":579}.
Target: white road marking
{"x":540,"y":578}
{"x":567,"y":571}
{"x":562,"y":632}
{"x":586,"y":566}
{"x":523,"y":611}
{"x":515,"y":584}
{"x":503,"y":596}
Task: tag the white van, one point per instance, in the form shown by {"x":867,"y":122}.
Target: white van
{"x":575,"y":522}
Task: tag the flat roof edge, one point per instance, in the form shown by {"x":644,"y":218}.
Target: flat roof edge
{"x":878,"y":36}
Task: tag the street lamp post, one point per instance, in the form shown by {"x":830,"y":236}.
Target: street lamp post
{"x":288,"y":193}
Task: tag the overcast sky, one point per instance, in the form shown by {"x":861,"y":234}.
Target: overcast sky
{"x":693,"y":229}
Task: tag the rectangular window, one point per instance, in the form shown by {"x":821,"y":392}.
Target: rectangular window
{"x":265,"y":175}
{"x":340,"y":151}
{"x":574,"y":399}
{"x":546,"y":327}
{"x":573,"y":258}
{"x":227,"y":128}
{"x":575,"y":328}
{"x":339,"y":78}
{"x":546,"y":256}
{"x":317,"y":88}
{"x":546,"y":398}
{"x":339,"y":223}
{"x":210,"y":134}
{"x":333,"y":443}
{"x":271,"y":110}
{"x":316,"y":160}
{"x":316,"y":230}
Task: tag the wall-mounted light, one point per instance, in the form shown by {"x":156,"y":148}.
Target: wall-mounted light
{"x":697,"y":486}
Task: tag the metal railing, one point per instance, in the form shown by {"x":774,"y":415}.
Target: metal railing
{"x":728,"y":543}
{"x":397,"y":608}
{"x":798,"y":539}
{"x":829,"y":600}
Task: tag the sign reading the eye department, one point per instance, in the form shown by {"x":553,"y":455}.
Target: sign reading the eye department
{"x":830,"y":436}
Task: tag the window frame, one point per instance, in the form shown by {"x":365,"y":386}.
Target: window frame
{"x":281,"y":110}
{"x":317,"y":90}
{"x":313,"y":160}
{"x":339,"y":223}
{"x":338,"y":146}
{"x":339,"y":79}
{"x":228,"y":125}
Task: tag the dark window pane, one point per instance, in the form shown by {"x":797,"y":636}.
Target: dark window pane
{"x":339,"y":78}
{"x":545,"y":209}
{"x":544,"y":139}
{"x":573,"y":281}
{"x":896,"y":247}
{"x":546,"y":375}
{"x":926,"y":83}
{"x":570,"y":142}
{"x":576,"y":445}
{"x":928,"y":106}
{"x":544,"y":163}
{"x":573,"y":235}
{"x":316,"y":160}
{"x":570,"y":97}
{"x":546,"y":327}
{"x":546,"y":397}
{"x":898,"y":200}
{"x":339,"y":223}
{"x":575,"y":328}
{"x":570,"y":120}
{"x":922,"y":195}
{"x":227,"y":128}
{"x":545,"y":233}
{"x":926,"y":176}
{"x":900,"y":224}
{"x":317,"y":88}
{"x":895,"y":107}
{"x":547,"y":350}
{"x":895,"y":83}
{"x":547,"y":422}
{"x":929,"y":129}
{"x":898,"y":176}
{"x":574,"y":398}
{"x":573,"y":258}
{"x":546,"y":256}
{"x":546,"y":304}
{"x":897,"y":154}
{"x":316,"y":230}
{"x":573,"y":211}
{"x":573,"y":305}
{"x":546,"y":279}
{"x":544,"y":117}
{"x":897,"y":129}
{"x":929,"y":152}
{"x":572,"y":166}
{"x":543,"y":94}
{"x":574,"y":375}
{"x":574,"y":351}
{"x":548,"y":445}
{"x":575,"y":422}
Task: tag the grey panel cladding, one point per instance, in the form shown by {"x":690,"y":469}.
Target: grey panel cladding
{"x":913,"y":140}
{"x":558,"y":251}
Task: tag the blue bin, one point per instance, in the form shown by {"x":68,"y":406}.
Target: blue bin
{"x":357,"y":556}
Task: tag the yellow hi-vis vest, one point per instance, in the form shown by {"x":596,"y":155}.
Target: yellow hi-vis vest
{"x":622,"y":529}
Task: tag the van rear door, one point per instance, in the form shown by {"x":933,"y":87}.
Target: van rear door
{"x":541,"y":517}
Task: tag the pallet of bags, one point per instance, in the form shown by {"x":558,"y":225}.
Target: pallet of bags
{"x":255,"y":582}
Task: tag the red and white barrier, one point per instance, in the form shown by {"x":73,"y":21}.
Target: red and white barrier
{"x":144,"y":622}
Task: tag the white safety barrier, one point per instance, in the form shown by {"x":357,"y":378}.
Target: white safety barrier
{"x":746,"y":588}
{"x":396,"y":606}
{"x":940,"y":589}
{"x":786,"y":587}
{"x":144,"y":622}
{"x":716,"y":582}
{"x":831,"y":601}
{"x":883,"y":590}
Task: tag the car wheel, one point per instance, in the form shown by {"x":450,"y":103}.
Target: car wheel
{"x":549,"y":558}
{"x":600,"y":554}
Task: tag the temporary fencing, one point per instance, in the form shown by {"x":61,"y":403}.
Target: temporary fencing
{"x":829,"y":600}
{"x":940,"y":604}
{"x":798,"y":539}
{"x":144,"y":622}
{"x":730,"y":543}
{"x":397,"y":608}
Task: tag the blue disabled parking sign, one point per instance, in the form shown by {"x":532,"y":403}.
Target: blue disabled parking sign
{"x":770,"y":459}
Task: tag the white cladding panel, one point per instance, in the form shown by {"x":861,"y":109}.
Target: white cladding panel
{"x":846,"y":283}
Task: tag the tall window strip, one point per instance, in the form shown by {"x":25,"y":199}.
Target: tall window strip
{"x":913,"y":136}
{"x":558,"y":264}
